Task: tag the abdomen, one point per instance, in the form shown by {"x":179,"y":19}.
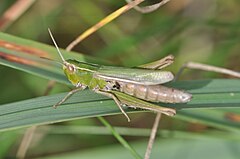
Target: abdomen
{"x":155,"y":93}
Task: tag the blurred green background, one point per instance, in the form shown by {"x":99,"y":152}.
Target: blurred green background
{"x":202,"y":31}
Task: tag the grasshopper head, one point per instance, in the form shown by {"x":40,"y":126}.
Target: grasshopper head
{"x":78,"y":73}
{"x":69,"y":66}
{"x":70,"y":70}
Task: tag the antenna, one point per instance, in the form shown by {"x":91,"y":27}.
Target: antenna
{"x":59,"y":52}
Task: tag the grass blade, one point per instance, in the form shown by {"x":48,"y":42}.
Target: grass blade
{"x":38,"y":111}
{"x":120,"y":138}
{"x":29,"y":56}
{"x":16,"y":53}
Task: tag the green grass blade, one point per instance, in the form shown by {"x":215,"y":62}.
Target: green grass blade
{"x":136,"y":132}
{"x":38,"y":111}
{"x":165,"y":148}
{"x":120,"y":138}
{"x":25,"y":55}
{"x":28,"y":56}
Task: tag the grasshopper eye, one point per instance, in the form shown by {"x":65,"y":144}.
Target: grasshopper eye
{"x":71,"y":68}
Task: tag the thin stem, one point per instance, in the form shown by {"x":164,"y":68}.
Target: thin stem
{"x":120,"y":138}
{"x":103,"y":22}
{"x":150,"y":8}
{"x":205,"y":67}
{"x":14,"y":12}
{"x":152,"y":136}
{"x":25,"y":143}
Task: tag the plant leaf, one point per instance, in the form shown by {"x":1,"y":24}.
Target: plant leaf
{"x":25,"y":55}
{"x":30,"y":56}
{"x":166,"y":148}
{"x":38,"y":111}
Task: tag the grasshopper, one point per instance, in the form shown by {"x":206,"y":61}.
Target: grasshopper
{"x":133,"y":87}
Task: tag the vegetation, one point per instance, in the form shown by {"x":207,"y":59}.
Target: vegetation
{"x":201,"y":31}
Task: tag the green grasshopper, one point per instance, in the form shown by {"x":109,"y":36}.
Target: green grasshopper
{"x":132,"y":87}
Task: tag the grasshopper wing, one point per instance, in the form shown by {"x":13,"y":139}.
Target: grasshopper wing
{"x":134,"y":75}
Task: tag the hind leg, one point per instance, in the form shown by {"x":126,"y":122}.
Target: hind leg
{"x":159,"y":64}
